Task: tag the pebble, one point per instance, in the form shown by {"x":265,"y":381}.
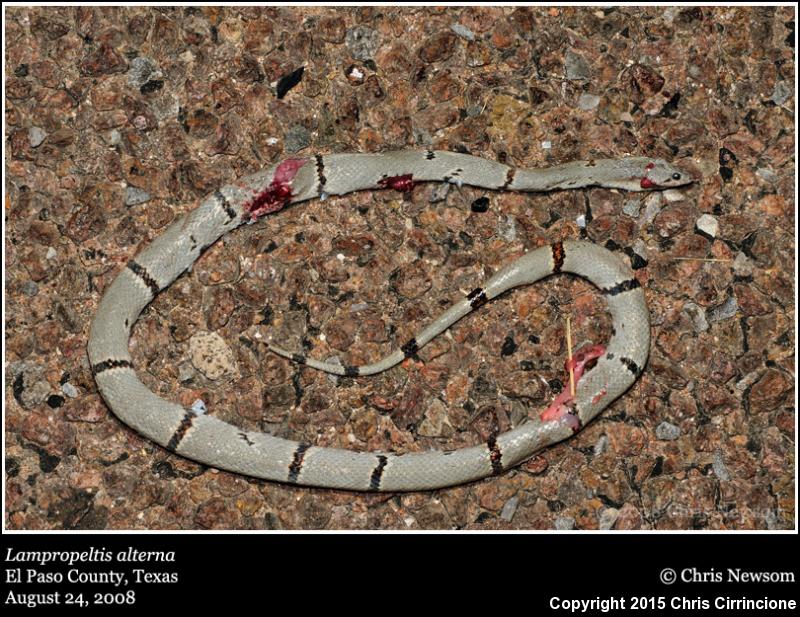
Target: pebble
{"x":140,"y":70}
{"x":669,"y":14}
{"x":718,"y":465}
{"x":698,"y":316}
{"x":36,"y":136}
{"x":362,"y":42}
{"x":564,"y":523}
{"x":742,"y":265}
{"x":640,"y":248}
{"x":463,"y":32}
{"x":474,"y":110}
{"x":439,"y":192}
{"x":360,"y":306}
{"x":575,"y":67}
{"x":508,"y":229}
{"x":580,"y":221}
{"x":185,"y":372}
{"x":199,"y":407}
{"x":509,"y":509}
{"x":667,"y":432}
{"x":673,"y":195}
{"x":69,"y":390}
{"x":772,"y":521}
{"x":51,"y":253}
{"x":652,"y":208}
{"x":601,"y":445}
{"x":608,"y":517}
{"x":781,"y":93}
{"x":297,"y":138}
{"x":765,"y":173}
{"x":135,"y":196}
{"x":708,"y":225}
{"x":30,"y":288}
{"x":28,"y":384}
{"x":726,"y":310}
{"x":211,"y":355}
{"x":632,"y":207}
{"x":435,"y":423}
{"x":546,"y":145}
{"x":588,"y":101}
{"x":747,"y":381}
{"x":646,"y":79}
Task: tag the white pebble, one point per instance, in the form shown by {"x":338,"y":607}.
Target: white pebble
{"x":601,"y":445}
{"x":698,"y":316}
{"x":652,"y":208}
{"x":546,"y":145}
{"x":69,"y":390}
{"x":608,"y":517}
{"x":718,"y":465}
{"x":766,"y":174}
{"x":463,"y":32}
{"x":667,"y":432}
{"x":631,"y":207}
{"x":36,"y":136}
{"x":581,"y":221}
{"x":199,"y":407}
{"x":742,"y":265}
{"x":673,"y":195}
{"x":708,"y":225}
{"x":211,"y":355}
{"x":509,"y":509}
{"x":588,"y":101}
{"x":51,"y":253}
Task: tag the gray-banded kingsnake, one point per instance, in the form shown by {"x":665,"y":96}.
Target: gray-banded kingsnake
{"x":202,"y":437}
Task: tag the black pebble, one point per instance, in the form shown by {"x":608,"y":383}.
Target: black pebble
{"x":151,"y":86}
{"x":287,"y":82}
{"x":55,"y":401}
{"x":509,"y":346}
{"x":480,"y":205}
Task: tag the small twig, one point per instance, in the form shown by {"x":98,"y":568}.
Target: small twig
{"x":702,"y":259}
{"x":569,"y":358}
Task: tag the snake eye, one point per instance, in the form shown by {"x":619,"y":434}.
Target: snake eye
{"x":676,"y":176}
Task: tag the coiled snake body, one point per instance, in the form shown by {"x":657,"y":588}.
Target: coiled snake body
{"x":206,"y":439}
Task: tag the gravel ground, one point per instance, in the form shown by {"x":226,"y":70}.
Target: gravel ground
{"x":120,"y":119}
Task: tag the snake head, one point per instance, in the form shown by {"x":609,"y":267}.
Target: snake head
{"x":658,"y":174}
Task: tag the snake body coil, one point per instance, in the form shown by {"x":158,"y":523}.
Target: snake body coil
{"x":204,"y":438}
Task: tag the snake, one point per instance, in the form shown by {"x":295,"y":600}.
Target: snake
{"x":600,"y":373}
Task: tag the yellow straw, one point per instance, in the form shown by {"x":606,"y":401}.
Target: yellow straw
{"x":702,"y":259}
{"x":569,"y":357}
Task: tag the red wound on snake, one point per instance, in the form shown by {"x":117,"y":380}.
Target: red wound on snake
{"x":403,"y":183}
{"x":278,"y":193}
{"x":560,"y":408}
{"x":647,"y":183}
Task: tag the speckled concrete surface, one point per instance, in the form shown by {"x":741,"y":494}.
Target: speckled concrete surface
{"x":119,"y":119}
